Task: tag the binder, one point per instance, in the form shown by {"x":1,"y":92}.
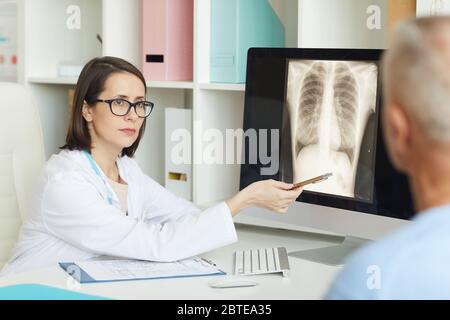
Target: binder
{"x":236,"y":26}
{"x":168,"y":39}
{"x":178,"y":176}
{"x":42,"y":292}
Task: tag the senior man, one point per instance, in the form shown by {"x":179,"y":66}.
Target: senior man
{"x":413,"y":262}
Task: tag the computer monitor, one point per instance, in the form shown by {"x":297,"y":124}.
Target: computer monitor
{"x":317,"y":111}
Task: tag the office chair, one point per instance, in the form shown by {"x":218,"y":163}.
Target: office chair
{"x":21,"y":160}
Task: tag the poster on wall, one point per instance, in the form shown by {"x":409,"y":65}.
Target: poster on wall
{"x":8,"y":40}
{"x":433,"y":7}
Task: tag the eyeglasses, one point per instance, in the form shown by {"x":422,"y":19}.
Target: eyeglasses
{"x":121,"y":107}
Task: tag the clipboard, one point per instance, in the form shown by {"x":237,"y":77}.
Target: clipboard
{"x":76,"y":271}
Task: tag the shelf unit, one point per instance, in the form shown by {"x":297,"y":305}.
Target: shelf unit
{"x":44,"y":41}
{"x":50,"y":80}
{"x":222,"y":86}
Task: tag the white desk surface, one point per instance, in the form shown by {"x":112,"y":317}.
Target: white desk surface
{"x":307,"y":280}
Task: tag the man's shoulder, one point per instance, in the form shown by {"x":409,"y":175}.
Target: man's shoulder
{"x":357,"y":280}
{"x":427,"y":229}
{"x":372,"y":271}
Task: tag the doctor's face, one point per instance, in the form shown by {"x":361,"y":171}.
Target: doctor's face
{"x":109,"y":130}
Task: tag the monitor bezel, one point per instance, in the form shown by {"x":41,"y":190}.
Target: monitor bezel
{"x":370,"y":55}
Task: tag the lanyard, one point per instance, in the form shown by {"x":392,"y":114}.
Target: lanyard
{"x":94,"y":166}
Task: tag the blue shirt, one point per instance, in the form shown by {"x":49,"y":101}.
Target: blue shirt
{"x":412,"y":263}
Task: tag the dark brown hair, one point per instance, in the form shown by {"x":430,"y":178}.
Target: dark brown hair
{"x":91,"y":83}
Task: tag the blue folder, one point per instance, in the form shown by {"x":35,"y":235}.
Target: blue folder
{"x":42,"y":292}
{"x":236,"y":26}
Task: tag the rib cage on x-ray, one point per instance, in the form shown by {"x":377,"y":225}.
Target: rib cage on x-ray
{"x":345,"y":101}
{"x":345,"y":104}
{"x":311,"y":99}
{"x":329,"y":103}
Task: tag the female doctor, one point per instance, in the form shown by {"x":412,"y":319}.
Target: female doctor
{"x":93,"y":199}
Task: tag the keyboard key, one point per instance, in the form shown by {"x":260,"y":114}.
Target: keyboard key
{"x":247,"y":262}
{"x":262,"y":260}
{"x":270,"y":260}
{"x":277,"y":259}
{"x":283,"y":256}
{"x":255,"y":262}
{"x":239,"y":261}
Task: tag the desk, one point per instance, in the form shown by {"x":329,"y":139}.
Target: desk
{"x":307,"y":280}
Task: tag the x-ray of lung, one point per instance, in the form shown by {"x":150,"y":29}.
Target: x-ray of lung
{"x":329,"y":105}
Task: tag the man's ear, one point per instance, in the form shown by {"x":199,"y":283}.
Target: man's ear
{"x":399,"y":134}
{"x":87,"y":112}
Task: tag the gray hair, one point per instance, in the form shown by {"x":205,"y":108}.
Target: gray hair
{"x":417,"y":73}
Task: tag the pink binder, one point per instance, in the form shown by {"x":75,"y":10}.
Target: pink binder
{"x":168,"y":39}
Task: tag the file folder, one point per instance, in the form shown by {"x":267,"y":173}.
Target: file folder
{"x":236,"y":26}
{"x":42,"y":292}
{"x":168,"y":39}
{"x":178,"y":176}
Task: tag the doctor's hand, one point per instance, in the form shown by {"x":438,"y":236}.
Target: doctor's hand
{"x":268,"y":194}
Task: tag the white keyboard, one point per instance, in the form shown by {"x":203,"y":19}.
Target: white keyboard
{"x":261,"y":261}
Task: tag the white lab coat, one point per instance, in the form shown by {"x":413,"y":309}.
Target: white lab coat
{"x":70,"y":219}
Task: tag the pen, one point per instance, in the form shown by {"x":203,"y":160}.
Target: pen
{"x":313,"y":180}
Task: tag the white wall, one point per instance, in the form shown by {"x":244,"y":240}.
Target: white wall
{"x":340,"y":24}
{"x":49,"y":42}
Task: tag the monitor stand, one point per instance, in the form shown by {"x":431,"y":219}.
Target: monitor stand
{"x":333,"y":255}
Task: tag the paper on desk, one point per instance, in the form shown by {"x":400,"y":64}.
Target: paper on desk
{"x":110,"y":270}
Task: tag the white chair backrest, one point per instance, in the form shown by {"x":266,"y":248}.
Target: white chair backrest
{"x":21,"y":160}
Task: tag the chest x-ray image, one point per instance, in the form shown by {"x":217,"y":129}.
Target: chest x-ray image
{"x":329,"y":104}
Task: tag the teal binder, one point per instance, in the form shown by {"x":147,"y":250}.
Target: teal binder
{"x":41,"y":292}
{"x":236,"y":26}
